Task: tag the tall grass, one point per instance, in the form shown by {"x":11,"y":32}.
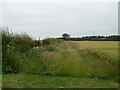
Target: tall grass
{"x":70,"y":61}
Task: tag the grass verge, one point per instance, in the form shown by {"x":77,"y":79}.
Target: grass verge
{"x":43,"y":81}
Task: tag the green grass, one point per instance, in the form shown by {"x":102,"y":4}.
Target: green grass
{"x":43,"y":81}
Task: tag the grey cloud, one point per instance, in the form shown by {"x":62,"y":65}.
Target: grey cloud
{"x":52,"y":19}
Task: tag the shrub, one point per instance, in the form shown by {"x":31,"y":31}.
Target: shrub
{"x":22,"y":43}
{"x":6,"y":39}
{"x":37,"y":43}
{"x":12,"y":46}
{"x":51,"y":41}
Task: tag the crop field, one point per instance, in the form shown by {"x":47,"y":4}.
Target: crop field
{"x":75,"y":64}
{"x":106,"y":48}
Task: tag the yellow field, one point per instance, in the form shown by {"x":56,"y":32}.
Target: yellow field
{"x":108,"y":48}
{"x":98,"y":44}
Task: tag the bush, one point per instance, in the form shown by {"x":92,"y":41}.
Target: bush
{"x":6,"y":39}
{"x":51,"y":41}
{"x":12,"y":46}
{"x":22,"y":43}
{"x":37,"y":43}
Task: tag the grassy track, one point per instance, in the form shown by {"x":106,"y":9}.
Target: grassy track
{"x":42,"y":81}
{"x":71,"y":61}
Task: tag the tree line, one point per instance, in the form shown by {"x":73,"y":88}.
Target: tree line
{"x":67,"y":37}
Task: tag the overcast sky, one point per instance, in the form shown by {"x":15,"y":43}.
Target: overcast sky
{"x":52,"y":19}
